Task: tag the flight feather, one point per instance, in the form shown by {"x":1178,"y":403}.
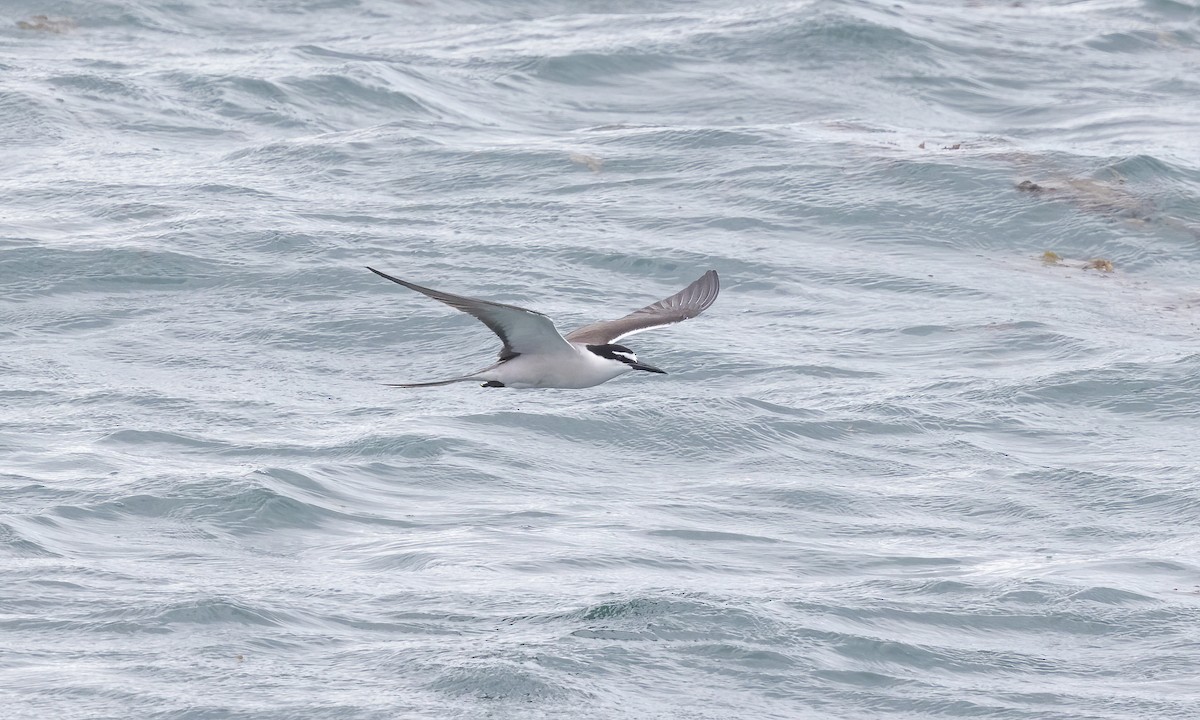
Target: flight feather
{"x":683,"y":305}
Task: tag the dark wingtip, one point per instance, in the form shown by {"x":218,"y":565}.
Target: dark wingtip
{"x":385,"y":276}
{"x":708,"y":291}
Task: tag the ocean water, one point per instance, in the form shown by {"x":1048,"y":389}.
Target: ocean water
{"x":907,"y":466}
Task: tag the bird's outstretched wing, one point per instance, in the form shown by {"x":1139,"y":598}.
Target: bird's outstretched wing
{"x":687,"y":303}
{"x":521,"y":330}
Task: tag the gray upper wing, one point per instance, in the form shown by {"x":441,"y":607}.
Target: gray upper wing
{"x":521,"y":330}
{"x":687,"y":303}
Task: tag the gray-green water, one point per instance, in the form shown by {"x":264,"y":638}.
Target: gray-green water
{"x":901,"y":469}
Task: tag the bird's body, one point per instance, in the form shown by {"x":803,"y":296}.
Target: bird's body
{"x":535,"y":355}
{"x":576,"y":367}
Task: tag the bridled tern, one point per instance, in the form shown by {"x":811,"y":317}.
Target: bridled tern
{"x":535,"y":355}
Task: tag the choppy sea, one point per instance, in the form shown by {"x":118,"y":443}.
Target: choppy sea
{"x":933,"y":453}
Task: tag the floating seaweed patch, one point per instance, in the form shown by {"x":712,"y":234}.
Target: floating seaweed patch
{"x":1102,"y":264}
{"x":591,"y":163}
{"x":1108,"y":197}
{"x":45,"y":23}
{"x":955,"y":146}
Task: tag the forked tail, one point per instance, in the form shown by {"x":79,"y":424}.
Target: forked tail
{"x":466,"y":378}
{"x":475,"y":376}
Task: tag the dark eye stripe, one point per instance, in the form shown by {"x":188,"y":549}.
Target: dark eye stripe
{"x":613,"y":352}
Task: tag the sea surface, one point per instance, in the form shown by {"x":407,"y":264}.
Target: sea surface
{"x":933,"y":453}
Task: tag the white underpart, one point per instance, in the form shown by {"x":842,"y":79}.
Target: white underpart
{"x":577,"y":368}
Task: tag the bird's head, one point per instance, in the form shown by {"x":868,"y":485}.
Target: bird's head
{"x":622,"y":354}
